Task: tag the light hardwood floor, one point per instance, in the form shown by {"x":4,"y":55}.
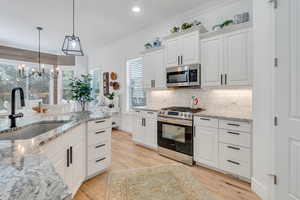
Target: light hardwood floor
{"x":127,"y":155}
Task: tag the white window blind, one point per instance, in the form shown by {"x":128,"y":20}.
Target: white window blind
{"x":136,"y":92}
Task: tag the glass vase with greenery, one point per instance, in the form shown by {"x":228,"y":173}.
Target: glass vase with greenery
{"x":82,"y":90}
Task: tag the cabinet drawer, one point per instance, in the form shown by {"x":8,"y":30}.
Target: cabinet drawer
{"x":98,"y":150}
{"x":235,"y":153}
{"x":235,"y":137}
{"x":97,"y":165}
{"x":234,"y":167}
{"x":236,"y":126}
{"x":99,"y":124}
{"x":206,"y":122}
{"x":98,"y":136}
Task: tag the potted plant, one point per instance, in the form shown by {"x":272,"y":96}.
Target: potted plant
{"x":82,"y":90}
{"x":111,"y":96}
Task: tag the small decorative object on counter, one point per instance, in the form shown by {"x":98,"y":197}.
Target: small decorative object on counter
{"x":186,"y":26}
{"x":175,"y":29}
{"x":82,"y":90}
{"x":227,"y":23}
{"x":157,"y":42}
{"x":241,"y":18}
{"x":148,"y":46}
{"x":196,"y":23}
{"x":217,"y":27}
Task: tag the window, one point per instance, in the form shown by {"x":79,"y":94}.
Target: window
{"x":96,"y":85}
{"x":34,"y":89}
{"x":67,"y":75}
{"x":136,"y":92}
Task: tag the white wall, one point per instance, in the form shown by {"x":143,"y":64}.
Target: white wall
{"x":113,"y":57}
{"x":262,"y":98}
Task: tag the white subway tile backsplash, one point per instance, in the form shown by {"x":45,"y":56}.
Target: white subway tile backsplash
{"x":236,"y":100}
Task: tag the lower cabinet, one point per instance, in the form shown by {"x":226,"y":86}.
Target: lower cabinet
{"x":98,"y":146}
{"x":81,"y":153}
{"x":67,"y":153}
{"x":145,"y":129}
{"x":206,"y":146}
{"x":224,"y":145}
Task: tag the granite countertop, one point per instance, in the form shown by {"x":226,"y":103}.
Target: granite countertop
{"x":25,"y":173}
{"x":226,"y":115}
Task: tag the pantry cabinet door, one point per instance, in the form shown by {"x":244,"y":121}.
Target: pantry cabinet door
{"x":173,"y":50}
{"x":212,"y":61}
{"x":78,"y":165}
{"x":190,"y":48}
{"x":206,"y":146}
{"x":238,"y":58}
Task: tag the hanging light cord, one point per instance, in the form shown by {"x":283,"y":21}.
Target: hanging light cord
{"x":39,"y":29}
{"x":73,"y":18}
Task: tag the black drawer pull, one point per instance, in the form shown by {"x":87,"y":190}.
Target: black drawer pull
{"x":235,"y":148}
{"x":71,"y":155}
{"x":150,"y":113}
{"x":237,"y":125}
{"x":233,"y":162}
{"x":98,"y":132}
{"x":68,"y":158}
{"x":98,"y":146}
{"x":98,"y":122}
{"x":100,"y":160}
{"x":233,"y":133}
{"x":205,"y":119}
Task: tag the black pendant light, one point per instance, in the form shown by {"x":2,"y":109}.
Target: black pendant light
{"x":72,"y":45}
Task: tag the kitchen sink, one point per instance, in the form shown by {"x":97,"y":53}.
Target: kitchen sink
{"x":32,"y":130}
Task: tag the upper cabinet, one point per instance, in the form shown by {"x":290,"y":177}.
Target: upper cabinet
{"x":183,"y":49}
{"x":227,"y":59}
{"x":154,"y":69}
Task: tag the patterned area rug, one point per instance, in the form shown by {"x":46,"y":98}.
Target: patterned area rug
{"x":168,"y":182}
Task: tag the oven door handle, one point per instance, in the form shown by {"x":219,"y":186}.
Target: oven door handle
{"x":175,"y":121}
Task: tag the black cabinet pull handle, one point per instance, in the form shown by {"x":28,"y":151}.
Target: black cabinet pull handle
{"x":98,"y":132}
{"x":237,"y":125}
{"x":100,"y":160}
{"x":98,"y":122}
{"x":205,"y":119}
{"x":98,"y":146}
{"x":150,"y":113}
{"x":71,"y":155}
{"x":68,"y":157}
{"x":221,"y":79}
{"x":235,"y":148}
{"x":233,"y":162}
{"x":233,"y":133}
{"x":225,"y":79}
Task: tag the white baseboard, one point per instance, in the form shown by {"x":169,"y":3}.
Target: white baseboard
{"x":260,"y":189}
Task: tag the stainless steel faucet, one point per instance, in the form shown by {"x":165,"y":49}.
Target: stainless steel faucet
{"x":13,"y":115}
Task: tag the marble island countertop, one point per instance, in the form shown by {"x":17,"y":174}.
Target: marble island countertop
{"x":25,"y":173}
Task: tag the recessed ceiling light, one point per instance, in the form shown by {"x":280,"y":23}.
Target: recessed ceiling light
{"x":136,"y":9}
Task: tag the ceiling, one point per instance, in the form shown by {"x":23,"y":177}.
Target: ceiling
{"x":98,"y":21}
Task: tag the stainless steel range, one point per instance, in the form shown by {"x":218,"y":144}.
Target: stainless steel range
{"x":175,"y":133}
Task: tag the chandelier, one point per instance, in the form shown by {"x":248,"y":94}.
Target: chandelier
{"x":24,"y":73}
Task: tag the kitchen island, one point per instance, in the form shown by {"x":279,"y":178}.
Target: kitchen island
{"x":25,"y":171}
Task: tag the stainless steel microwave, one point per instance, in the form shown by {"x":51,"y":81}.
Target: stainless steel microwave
{"x":184,"y":76}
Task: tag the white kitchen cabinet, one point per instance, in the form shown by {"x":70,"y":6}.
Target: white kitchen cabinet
{"x":237,"y":58}
{"x":145,"y":129}
{"x":206,"y":146}
{"x":154,"y":69}
{"x":211,"y":61}
{"x":67,"y":153}
{"x":227,"y":59}
{"x":224,"y":145}
{"x":98,"y":146}
{"x":183,"y":50}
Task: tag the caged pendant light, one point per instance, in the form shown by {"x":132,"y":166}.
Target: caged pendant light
{"x":72,"y":45}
